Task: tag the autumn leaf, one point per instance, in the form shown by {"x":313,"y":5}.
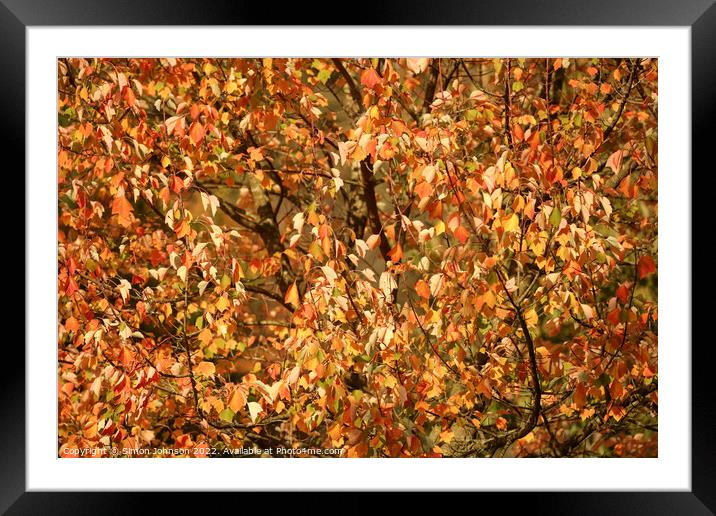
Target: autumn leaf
{"x":422,"y":288}
{"x":511,"y":223}
{"x":223,"y":279}
{"x":461,"y":234}
{"x":615,"y":161}
{"x":646,"y":266}
{"x":123,"y":209}
{"x":196,"y":132}
{"x":238,"y":400}
{"x":417,"y":64}
{"x":555,"y":217}
{"x":396,"y":254}
{"x":205,"y":369}
{"x":291,"y":296}
{"x":210,"y":201}
{"x":71,"y":324}
{"x":370,"y":78}
{"x":254,"y":410}
{"x":580,"y":395}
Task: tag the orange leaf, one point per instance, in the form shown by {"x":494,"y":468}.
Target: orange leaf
{"x":396,"y":254}
{"x":123,"y":209}
{"x":71,"y":324}
{"x":461,"y":234}
{"x":205,"y":336}
{"x":580,"y":395}
{"x":71,"y":286}
{"x":422,"y":288}
{"x":614,"y":316}
{"x":182,"y":228}
{"x":237,"y":400}
{"x":373,"y":241}
{"x":196,"y":132}
{"x":370,"y":78}
{"x":423,"y":189}
{"x":129,"y":96}
{"x":205,"y":369}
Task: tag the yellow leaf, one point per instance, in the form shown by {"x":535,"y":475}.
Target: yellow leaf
{"x":511,"y":223}
{"x":531,"y":318}
{"x":439,"y":227}
{"x":292,"y":295}
{"x":222,"y":304}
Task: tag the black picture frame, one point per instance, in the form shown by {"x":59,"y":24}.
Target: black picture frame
{"x":700,"y":15}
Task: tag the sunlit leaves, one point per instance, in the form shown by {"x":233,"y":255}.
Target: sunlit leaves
{"x":293,"y":251}
{"x":209,"y":202}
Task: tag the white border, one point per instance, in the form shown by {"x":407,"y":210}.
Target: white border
{"x":670,"y":471}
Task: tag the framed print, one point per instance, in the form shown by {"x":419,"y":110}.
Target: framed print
{"x":417,"y":257}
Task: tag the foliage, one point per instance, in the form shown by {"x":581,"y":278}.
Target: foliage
{"x":396,"y":257}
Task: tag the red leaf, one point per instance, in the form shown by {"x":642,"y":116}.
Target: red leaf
{"x":71,"y":287}
{"x":614,"y":316}
{"x":623,"y":293}
{"x":646,"y":266}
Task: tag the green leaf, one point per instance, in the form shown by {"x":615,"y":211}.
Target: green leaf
{"x":324,"y":75}
{"x":227,"y":415}
{"x":555,"y":217}
{"x":517,"y":86}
